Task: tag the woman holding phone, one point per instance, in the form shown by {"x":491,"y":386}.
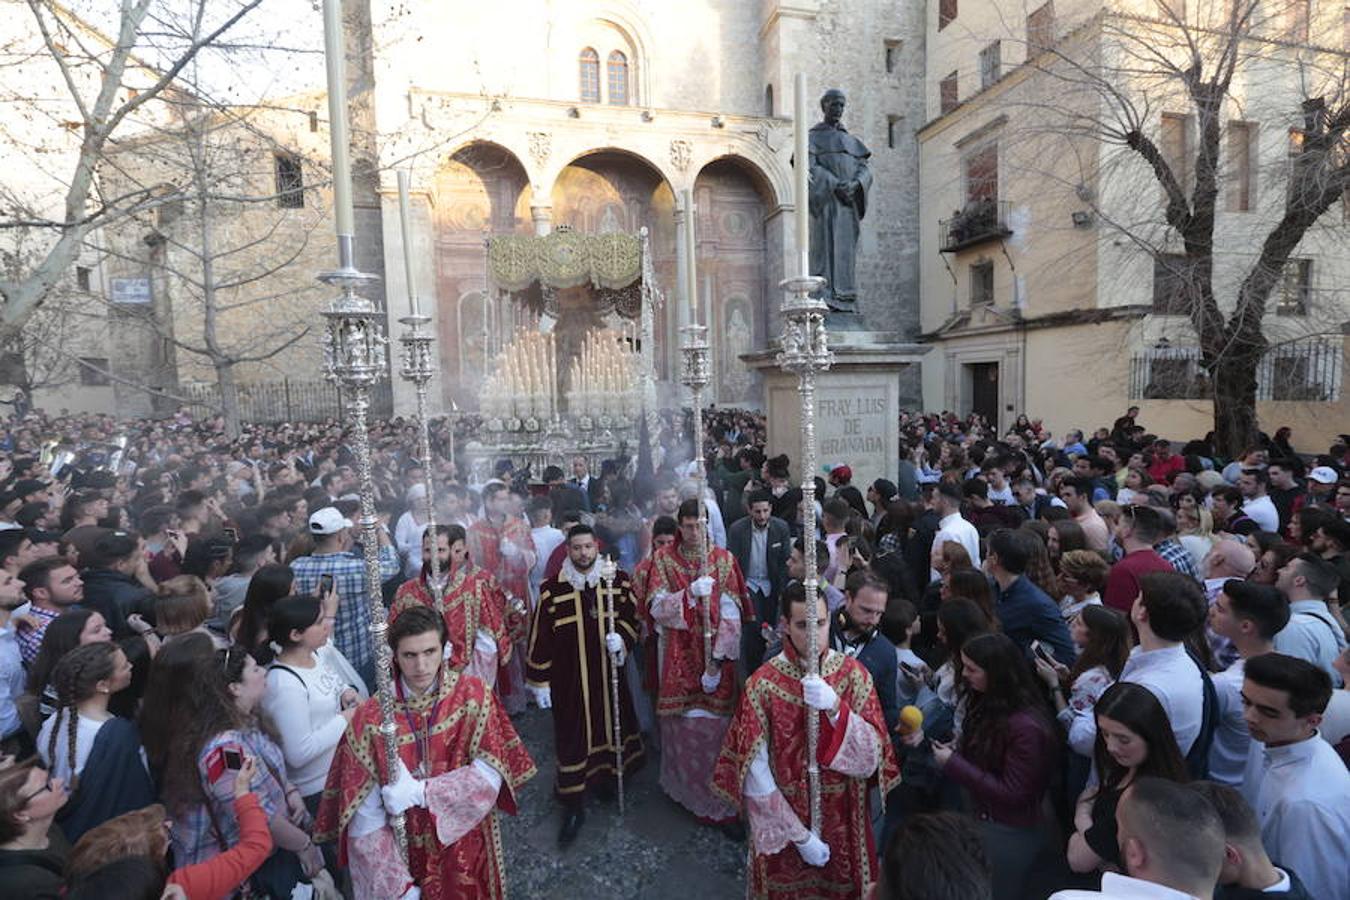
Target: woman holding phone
{"x":1102,"y":636}
{"x":217,"y":728}
{"x":307,"y":701}
{"x":1004,"y":758}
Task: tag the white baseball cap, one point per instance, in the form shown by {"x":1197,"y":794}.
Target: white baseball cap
{"x":328,"y":521}
{"x":1323,"y":475}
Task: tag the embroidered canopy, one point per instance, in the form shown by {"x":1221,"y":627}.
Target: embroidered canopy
{"x":565,"y":259}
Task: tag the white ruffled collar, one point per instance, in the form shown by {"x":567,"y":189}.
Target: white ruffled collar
{"x":580,"y":580}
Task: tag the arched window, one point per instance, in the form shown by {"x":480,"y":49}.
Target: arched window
{"x":768,"y":100}
{"x":588,"y":76}
{"x":617,"y":72}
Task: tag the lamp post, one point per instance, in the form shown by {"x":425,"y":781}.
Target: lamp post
{"x":355,"y":359}
{"x":805,"y":352}
{"x":419,"y":367}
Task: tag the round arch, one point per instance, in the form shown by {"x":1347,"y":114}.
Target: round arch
{"x":625,"y":16}
{"x":556,"y":170}
{"x":753,"y":171}
{"x":735,"y":201}
{"x":482,"y":184}
{"x":771,"y":178}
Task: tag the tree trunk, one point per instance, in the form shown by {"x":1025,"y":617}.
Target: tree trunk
{"x":1234,"y":386}
{"x":229,"y":397}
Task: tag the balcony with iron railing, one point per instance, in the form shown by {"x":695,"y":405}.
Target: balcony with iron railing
{"x":1306,"y":370}
{"x":979,"y":222}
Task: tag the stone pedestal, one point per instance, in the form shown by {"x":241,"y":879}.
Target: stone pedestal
{"x":858,"y":403}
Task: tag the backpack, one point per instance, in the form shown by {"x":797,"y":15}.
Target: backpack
{"x":1197,"y":759}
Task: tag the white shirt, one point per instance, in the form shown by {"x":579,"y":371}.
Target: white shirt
{"x":955,"y":528}
{"x":1174,"y":679}
{"x":1312,"y":634}
{"x":408,"y":539}
{"x":1121,"y":887}
{"x":59,"y":763}
{"x":306,"y":713}
{"x":1262,"y":511}
{"x":1228,"y":753}
{"x":546,"y":539}
{"x":1301,"y":795}
{"x":1336,"y":719}
{"x":1069,"y":607}
{"x":12,"y":679}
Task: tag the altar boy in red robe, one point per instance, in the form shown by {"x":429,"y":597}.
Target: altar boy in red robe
{"x":762,"y":767}
{"x":697,"y":695}
{"x":459,"y":760}
{"x":473,"y":604}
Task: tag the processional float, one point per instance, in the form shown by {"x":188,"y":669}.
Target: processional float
{"x":545,"y":398}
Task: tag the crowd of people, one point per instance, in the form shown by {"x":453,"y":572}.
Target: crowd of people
{"x":1049,"y":665}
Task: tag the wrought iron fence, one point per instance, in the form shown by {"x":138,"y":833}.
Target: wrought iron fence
{"x":287,"y":400}
{"x":1308,"y":370}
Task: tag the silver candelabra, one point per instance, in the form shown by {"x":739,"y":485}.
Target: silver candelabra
{"x":805,"y":351}
{"x":694,"y":375}
{"x":418,"y":367}
{"x":355,"y":359}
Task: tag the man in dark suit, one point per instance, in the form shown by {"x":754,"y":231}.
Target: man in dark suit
{"x":583,"y":481}
{"x":564,"y":496}
{"x":855,"y":630}
{"x":761,"y":544}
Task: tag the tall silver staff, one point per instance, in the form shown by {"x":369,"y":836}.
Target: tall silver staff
{"x":355,"y":360}
{"x":607,"y":572}
{"x":804,"y":353}
{"x":419,"y":368}
{"x":694,"y":375}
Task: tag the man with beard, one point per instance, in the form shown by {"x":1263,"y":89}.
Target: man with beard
{"x":460,"y":759}
{"x":761,"y":545}
{"x":573,"y":647}
{"x":473,"y":605}
{"x":855,"y":631}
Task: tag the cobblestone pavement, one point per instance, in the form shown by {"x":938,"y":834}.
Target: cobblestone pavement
{"x":656,"y":851}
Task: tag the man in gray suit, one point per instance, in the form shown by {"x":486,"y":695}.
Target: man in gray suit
{"x":761,"y":544}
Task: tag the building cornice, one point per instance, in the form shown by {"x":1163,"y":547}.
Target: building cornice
{"x":955,"y":325}
{"x":806,"y":10}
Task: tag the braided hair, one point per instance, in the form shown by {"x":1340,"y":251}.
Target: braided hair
{"x":76,"y":677}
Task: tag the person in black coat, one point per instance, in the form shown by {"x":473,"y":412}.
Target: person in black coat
{"x":115,"y":582}
{"x":761,"y":544}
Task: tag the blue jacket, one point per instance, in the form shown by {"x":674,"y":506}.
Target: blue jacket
{"x":878,"y":658}
{"x":1027,"y":613}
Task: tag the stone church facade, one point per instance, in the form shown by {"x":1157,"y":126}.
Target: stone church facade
{"x":529,"y":115}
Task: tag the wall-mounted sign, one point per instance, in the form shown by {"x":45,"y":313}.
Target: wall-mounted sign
{"x":130,"y":290}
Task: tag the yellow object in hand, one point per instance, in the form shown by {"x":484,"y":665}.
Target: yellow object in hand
{"x":911,"y":720}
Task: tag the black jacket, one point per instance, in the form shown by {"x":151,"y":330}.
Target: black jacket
{"x":878,"y":658}
{"x":116,"y":596}
{"x":776,"y":552}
